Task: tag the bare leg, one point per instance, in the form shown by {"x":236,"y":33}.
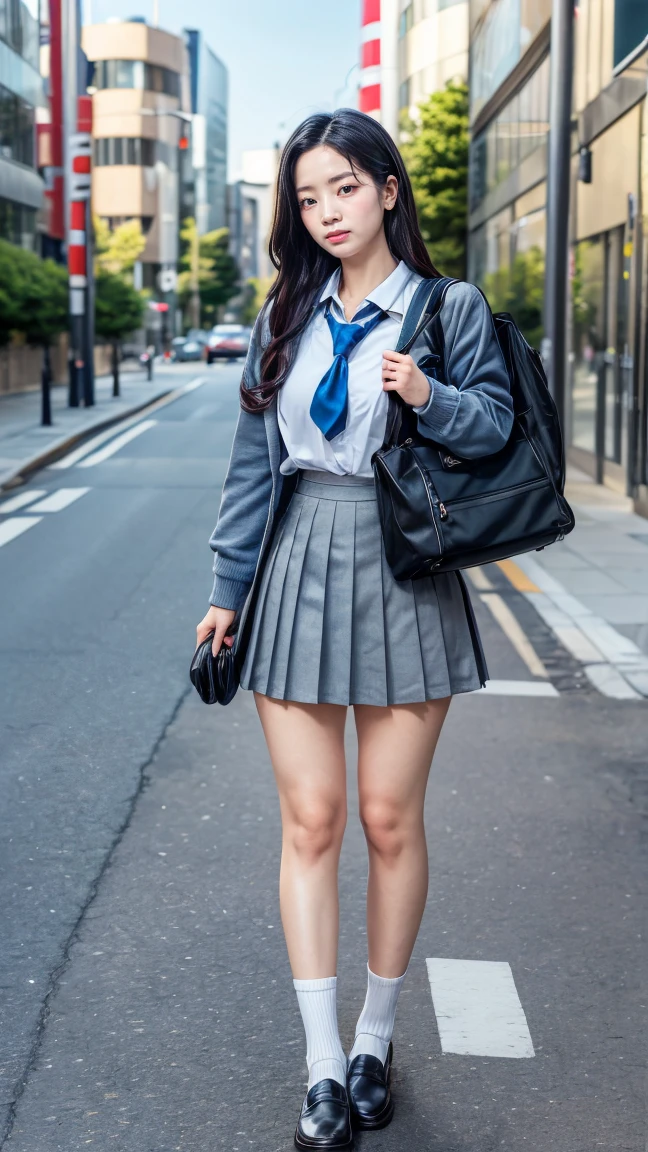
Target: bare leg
{"x":306,"y":745}
{"x":395,"y":750}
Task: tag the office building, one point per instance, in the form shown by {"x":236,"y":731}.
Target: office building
{"x":141,"y":108}
{"x":250,"y":208}
{"x":605,"y":419}
{"x":21,"y":93}
{"x":208,"y":156}
{"x":409,"y":49}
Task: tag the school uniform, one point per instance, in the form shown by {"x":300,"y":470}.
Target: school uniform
{"x":331,"y":624}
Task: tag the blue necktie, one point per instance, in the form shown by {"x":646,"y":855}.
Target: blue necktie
{"x":330,"y":403}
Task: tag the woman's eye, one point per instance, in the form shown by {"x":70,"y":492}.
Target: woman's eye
{"x":306,"y":201}
{"x":347,"y":188}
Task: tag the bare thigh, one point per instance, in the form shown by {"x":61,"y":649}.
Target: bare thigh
{"x":395,"y":750}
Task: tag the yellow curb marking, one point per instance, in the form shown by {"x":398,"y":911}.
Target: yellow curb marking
{"x":518,"y":578}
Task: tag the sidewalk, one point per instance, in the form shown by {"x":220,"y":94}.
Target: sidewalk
{"x":592,"y":588}
{"x":25,"y":444}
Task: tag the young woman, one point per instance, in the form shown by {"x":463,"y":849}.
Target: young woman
{"x":331,"y":627}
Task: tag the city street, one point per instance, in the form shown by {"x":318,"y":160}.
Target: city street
{"x":147,"y":994}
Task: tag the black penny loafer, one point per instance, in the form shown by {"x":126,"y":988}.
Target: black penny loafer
{"x":325,"y":1120}
{"x":369,"y":1092}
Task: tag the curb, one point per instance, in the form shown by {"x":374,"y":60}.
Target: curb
{"x":34,"y":463}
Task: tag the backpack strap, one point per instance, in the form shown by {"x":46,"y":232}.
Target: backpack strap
{"x":425,"y":304}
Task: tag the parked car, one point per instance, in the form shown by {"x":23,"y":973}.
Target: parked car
{"x":227,"y":341}
{"x":191,"y":350}
{"x":177,"y":344}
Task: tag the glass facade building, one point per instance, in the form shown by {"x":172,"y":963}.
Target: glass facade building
{"x":21,"y":92}
{"x":208,"y":83}
{"x":509,"y":109}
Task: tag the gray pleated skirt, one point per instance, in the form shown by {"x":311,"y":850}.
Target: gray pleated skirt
{"x":332,"y":625}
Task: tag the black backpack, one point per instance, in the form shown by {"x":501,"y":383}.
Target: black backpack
{"x":438,"y":512}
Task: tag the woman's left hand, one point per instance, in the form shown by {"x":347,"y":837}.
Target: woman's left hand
{"x":401,"y":374}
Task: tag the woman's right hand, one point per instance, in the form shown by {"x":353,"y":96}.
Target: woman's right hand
{"x":217,"y":620}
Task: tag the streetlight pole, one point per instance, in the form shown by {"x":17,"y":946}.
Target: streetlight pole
{"x":558,"y":187}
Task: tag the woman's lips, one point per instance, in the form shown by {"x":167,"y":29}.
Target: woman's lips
{"x":337,"y":237}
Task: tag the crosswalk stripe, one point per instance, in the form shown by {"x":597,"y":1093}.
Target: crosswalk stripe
{"x":16,"y":526}
{"x":21,"y":500}
{"x":115,"y":445}
{"x":517,"y":688}
{"x":59,"y":499}
{"x":478,"y":1009}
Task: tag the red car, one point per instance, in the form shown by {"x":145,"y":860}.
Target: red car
{"x":227,"y":341}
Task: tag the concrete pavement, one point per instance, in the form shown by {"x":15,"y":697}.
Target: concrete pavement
{"x":147,"y":995}
{"x":25,"y":443}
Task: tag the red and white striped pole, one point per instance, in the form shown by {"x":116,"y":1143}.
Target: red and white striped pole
{"x":79,"y":262}
{"x":369,"y":96}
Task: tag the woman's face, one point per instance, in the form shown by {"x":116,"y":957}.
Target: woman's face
{"x":342,"y":210}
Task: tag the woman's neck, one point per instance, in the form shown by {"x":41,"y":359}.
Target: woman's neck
{"x":362,"y":273}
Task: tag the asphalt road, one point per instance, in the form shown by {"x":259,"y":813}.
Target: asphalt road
{"x":147,"y":1004}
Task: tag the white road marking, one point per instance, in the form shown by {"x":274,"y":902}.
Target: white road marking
{"x":478,"y":1009}
{"x":517,"y":688}
{"x":58,"y":500}
{"x":115,"y":445}
{"x":512,"y":630}
{"x":90,"y":445}
{"x":479,"y":579}
{"x":16,"y":526}
{"x":610,"y":682}
{"x":589,"y":638}
{"x":23,"y":498}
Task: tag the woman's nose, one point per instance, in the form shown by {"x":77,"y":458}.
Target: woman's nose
{"x":330,"y":213}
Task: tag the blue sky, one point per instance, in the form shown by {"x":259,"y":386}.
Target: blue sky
{"x":286,"y":58}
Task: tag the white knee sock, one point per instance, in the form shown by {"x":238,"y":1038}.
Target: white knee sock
{"x":324,"y":1052}
{"x":376,"y":1024}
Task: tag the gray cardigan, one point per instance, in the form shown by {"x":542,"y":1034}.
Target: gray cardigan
{"x":470,"y":414}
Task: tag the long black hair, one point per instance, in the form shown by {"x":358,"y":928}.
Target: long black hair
{"x":303,"y":266}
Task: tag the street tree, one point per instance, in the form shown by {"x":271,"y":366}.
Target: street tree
{"x":208,"y":273}
{"x":34,"y":305}
{"x":119,"y":310}
{"x":255,"y":291}
{"x":435,"y":151}
{"x":117,"y":249}
{"x":519,"y":289}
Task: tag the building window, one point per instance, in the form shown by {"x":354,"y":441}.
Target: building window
{"x":519,"y":129}
{"x":19,"y":28}
{"x":406,"y":20}
{"x":16,"y":128}
{"x":600,"y":306}
{"x":136,"y":74}
{"x":138,"y":151}
{"x":18,"y":224}
{"x":630,"y":27}
{"x":113,"y":222}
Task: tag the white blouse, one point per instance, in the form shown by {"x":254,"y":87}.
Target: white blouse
{"x":348,"y":453}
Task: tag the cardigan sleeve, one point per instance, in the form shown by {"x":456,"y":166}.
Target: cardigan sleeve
{"x":472,"y":412}
{"x":236,"y":539}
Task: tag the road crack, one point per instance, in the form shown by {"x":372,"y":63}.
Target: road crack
{"x":93,"y":891}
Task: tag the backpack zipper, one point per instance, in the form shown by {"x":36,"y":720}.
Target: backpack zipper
{"x":467,"y":501}
{"x":430,"y":501}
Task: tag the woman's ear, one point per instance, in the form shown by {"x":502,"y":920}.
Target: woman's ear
{"x":390,"y":193}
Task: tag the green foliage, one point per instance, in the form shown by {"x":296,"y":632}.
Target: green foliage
{"x":119,"y":308}
{"x":520,"y":291}
{"x":33,"y":296}
{"x":255,"y":291}
{"x":435,"y":152}
{"x":118,"y":250}
{"x":206,"y":264}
